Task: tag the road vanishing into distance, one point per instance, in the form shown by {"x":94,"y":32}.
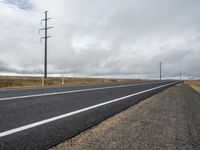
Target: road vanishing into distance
{"x":39,"y":118}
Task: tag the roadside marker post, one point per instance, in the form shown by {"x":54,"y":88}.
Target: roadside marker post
{"x":63,"y":82}
{"x":42,"y":81}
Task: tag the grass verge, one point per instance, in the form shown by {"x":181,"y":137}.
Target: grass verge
{"x":195,"y":84}
{"x":14,"y":81}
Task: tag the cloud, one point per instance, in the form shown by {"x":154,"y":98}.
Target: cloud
{"x":102,"y":38}
{"x":22,"y":4}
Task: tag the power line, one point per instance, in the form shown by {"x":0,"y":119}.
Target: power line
{"x":20,"y":20}
{"x":46,"y":28}
{"x":20,"y":31}
{"x":22,"y":40}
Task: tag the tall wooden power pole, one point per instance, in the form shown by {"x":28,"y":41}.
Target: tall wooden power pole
{"x":160,"y":70}
{"x":180,"y":75}
{"x":45,"y":38}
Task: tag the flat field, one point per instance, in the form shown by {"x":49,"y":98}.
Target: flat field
{"x":16,"y":81}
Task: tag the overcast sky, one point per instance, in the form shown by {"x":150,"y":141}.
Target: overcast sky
{"x":110,"y":38}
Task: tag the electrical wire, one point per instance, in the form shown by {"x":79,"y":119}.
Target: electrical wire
{"x":21,"y":40}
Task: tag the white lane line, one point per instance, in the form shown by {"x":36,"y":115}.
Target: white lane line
{"x":74,"y":91}
{"x":12,"y":131}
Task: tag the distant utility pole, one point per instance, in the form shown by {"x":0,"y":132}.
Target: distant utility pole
{"x":180,"y":75}
{"x":45,"y":38}
{"x":160,"y":70}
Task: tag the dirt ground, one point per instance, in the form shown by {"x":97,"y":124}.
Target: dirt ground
{"x":167,"y":121}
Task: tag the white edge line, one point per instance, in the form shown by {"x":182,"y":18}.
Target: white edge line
{"x":12,"y":131}
{"x":74,"y":91}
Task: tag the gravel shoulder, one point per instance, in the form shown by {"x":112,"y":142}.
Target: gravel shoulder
{"x":169,"y":120}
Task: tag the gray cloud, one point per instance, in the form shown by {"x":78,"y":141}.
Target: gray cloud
{"x":103,"y":38}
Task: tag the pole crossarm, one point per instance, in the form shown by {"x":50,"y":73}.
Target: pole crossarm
{"x":45,"y":20}
{"x":43,"y":29}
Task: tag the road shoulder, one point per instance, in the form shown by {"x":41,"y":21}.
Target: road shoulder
{"x":168,"y":120}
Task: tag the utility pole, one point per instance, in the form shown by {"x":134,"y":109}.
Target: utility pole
{"x":46,"y":28}
{"x":160,"y":70}
{"x":180,"y":75}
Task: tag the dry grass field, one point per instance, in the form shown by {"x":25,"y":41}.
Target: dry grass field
{"x":13,"y":81}
{"x":194,"y":84}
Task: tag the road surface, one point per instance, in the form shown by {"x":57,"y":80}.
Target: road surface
{"x":39,"y":118}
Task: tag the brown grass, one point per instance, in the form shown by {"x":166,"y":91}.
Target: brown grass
{"x":12,"y":81}
{"x":193,"y":82}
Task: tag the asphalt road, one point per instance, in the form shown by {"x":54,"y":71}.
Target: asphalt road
{"x":39,"y":118}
